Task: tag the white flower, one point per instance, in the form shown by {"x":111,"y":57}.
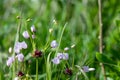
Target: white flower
{"x":26,"y":34}
{"x":10,"y":49}
{"x":66,"y":48}
{"x":10,"y":61}
{"x":16,"y":78}
{"x":56,"y":60}
{"x":91,"y":69}
{"x":19,"y":45}
{"x":54,"y":44}
{"x":73,"y":46}
{"x":87,"y":69}
{"x":20,"y":57}
{"x":33,"y":28}
{"x":54,"y":21}
{"x":50,"y":30}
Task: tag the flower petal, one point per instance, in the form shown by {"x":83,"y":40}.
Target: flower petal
{"x":26,"y":34}
{"x":56,"y":60}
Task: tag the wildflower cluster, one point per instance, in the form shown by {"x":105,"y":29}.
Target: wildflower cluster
{"x":19,"y":45}
{"x":87,"y":69}
{"x":58,"y":57}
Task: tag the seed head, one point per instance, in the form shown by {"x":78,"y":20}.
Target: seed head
{"x":37,"y":54}
{"x":20,"y":73}
{"x":68,"y":71}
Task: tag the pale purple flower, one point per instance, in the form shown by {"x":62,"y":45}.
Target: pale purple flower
{"x":56,"y":60}
{"x":87,"y":69}
{"x":10,"y":61}
{"x":26,"y":34}
{"x":23,"y":45}
{"x":60,"y":55}
{"x":19,"y":45}
{"x":66,"y":56}
{"x":33,"y":36}
{"x":33,"y":28}
{"x":63,"y":56}
{"x":54,"y":44}
{"x":20,"y":57}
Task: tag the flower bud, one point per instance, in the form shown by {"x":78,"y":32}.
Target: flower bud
{"x":26,"y":34}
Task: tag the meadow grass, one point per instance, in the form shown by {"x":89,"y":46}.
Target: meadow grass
{"x":65,"y":42}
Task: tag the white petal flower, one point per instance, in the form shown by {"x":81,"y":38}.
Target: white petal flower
{"x":20,"y":57}
{"x":66,"y":48}
{"x":54,"y":44}
{"x":10,"y":49}
{"x":56,"y":60}
{"x":91,"y":69}
{"x":10,"y":61}
{"x":33,"y":28}
{"x":26,"y":34}
{"x":50,"y":30}
{"x":73,"y":46}
{"x":66,"y":56}
{"x":16,"y":78}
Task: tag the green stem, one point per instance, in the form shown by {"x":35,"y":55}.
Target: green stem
{"x":36,"y":69}
{"x":13,"y":67}
{"x":60,"y":38}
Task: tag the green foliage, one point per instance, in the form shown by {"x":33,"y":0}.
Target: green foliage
{"x":82,"y":30}
{"x":104,"y":59}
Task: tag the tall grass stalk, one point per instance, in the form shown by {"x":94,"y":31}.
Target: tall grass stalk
{"x":36,"y":69}
{"x":16,"y":39}
{"x":61,"y":37}
{"x":48,"y":67}
{"x":101,"y":38}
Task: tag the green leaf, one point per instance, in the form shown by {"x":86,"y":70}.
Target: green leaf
{"x":118,"y":22}
{"x":103,"y":58}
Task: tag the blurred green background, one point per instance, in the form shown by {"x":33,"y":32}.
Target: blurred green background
{"x":82,"y":30}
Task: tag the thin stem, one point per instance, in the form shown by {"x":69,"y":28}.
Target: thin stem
{"x":101,"y":38}
{"x":36,"y":69}
{"x":16,"y":40}
{"x":60,"y":38}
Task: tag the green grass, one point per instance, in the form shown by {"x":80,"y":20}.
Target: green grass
{"x":76,"y":23}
